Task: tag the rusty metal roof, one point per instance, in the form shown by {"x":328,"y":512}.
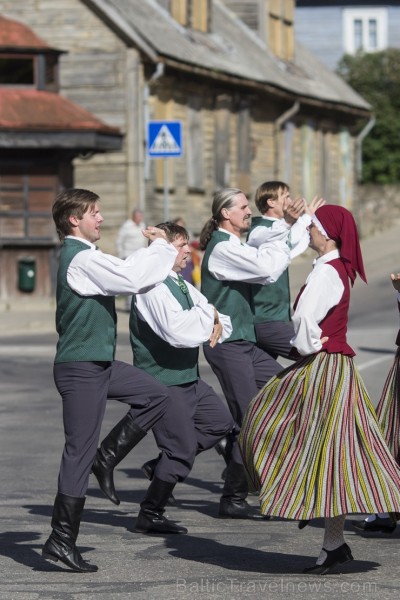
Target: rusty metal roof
{"x":41,"y":110}
{"x":31,"y":118}
{"x":43,"y":120}
{"x":17,"y":36}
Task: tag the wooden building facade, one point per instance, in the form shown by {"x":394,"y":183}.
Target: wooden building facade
{"x":41,"y":132}
{"x":254,"y":104}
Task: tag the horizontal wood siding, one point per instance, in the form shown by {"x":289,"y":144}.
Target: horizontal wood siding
{"x":394,"y":26}
{"x":320,"y":30}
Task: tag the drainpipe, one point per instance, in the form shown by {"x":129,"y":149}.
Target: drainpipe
{"x":158,"y":72}
{"x":278,"y":126}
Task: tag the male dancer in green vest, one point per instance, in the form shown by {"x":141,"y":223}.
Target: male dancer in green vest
{"x":85,"y":371}
{"x":167,"y":326}
{"x":229,"y":268}
{"x":272,"y":310}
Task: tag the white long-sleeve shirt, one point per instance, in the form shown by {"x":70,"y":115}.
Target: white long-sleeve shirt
{"x":297,"y":234}
{"x":92,"y":272}
{"x":235,"y":261}
{"x":180,"y":328}
{"x":323,"y":291}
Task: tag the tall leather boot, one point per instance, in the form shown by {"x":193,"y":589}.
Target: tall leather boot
{"x":151,"y":515}
{"x":148,"y":469}
{"x":118,"y":443}
{"x":61,"y":546}
{"x":224,"y":449}
{"x":233,"y":503}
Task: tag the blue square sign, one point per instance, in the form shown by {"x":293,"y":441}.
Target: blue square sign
{"x":164,"y":138}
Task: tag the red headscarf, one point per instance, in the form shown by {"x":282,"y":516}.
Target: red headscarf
{"x":341,"y":227}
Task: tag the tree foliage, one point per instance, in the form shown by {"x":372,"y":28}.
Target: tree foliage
{"x":376,"y":77}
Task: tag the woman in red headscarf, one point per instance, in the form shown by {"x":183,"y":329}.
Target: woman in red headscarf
{"x":310,"y":439}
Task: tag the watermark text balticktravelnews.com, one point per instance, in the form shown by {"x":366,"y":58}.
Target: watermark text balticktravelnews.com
{"x":260,"y":586}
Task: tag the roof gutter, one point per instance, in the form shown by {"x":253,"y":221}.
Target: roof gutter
{"x":279,"y":122}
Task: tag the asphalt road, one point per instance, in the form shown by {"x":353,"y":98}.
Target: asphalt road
{"x":218,"y":559}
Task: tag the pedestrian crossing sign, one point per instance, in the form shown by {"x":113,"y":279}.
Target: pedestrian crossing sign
{"x":164,"y":138}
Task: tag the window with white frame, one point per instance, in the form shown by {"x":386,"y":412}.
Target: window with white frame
{"x":364,"y":29}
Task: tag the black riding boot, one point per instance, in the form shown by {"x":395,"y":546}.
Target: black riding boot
{"x":148,"y":469}
{"x":118,"y":443}
{"x":150,"y":518}
{"x":233,"y":503}
{"x":224,"y":449}
{"x":61,"y":546}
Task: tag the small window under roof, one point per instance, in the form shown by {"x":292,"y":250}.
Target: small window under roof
{"x":16,"y":70}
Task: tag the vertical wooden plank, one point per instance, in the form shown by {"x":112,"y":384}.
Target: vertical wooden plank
{"x":244,"y":148}
{"x":222,"y":155}
{"x":199,"y":16}
{"x":134,"y":133}
{"x":179,"y":11}
{"x":194,"y":145}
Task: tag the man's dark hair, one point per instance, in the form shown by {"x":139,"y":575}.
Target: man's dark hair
{"x":173,"y":231}
{"x":72,"y":202}
{"x":268,"y":190}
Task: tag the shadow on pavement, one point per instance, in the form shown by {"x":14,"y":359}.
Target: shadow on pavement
{"x":14,"y":545}
{"x":240,"y":558}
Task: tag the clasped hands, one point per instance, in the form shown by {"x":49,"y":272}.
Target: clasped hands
{"x":296,"y":208}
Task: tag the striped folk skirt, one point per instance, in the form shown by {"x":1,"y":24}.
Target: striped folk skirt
{"x":388,"y":409}
{"x":312,"y":445}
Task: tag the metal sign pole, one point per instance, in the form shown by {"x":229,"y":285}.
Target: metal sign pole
{"x":166,"y":207}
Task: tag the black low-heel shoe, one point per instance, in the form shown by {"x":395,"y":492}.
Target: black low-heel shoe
{"x":334,"y":557}
{"x":379,"y":524}
{"x":303,"y":523}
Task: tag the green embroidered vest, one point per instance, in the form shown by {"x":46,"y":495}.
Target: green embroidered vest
{"x":171,"y":366}
{"x":86,"y":325}
{"x":271,"y":302}
{"x":231,"y":298}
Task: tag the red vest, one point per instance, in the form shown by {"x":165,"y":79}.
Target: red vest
{"x":334,"y":325}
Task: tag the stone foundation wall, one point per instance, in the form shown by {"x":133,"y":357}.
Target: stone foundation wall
{"x":378,"y":208}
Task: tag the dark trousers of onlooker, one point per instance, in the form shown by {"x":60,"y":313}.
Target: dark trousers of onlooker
{"x":274,"y":337}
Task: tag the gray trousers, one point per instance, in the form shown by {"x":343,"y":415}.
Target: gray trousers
{"x":84,"y":388}
{"x":242,"y":369}
{"x":274,"y":337}
{"x":196,"y":420}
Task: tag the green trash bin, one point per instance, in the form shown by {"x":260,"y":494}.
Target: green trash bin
{"x":26,"y":274}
